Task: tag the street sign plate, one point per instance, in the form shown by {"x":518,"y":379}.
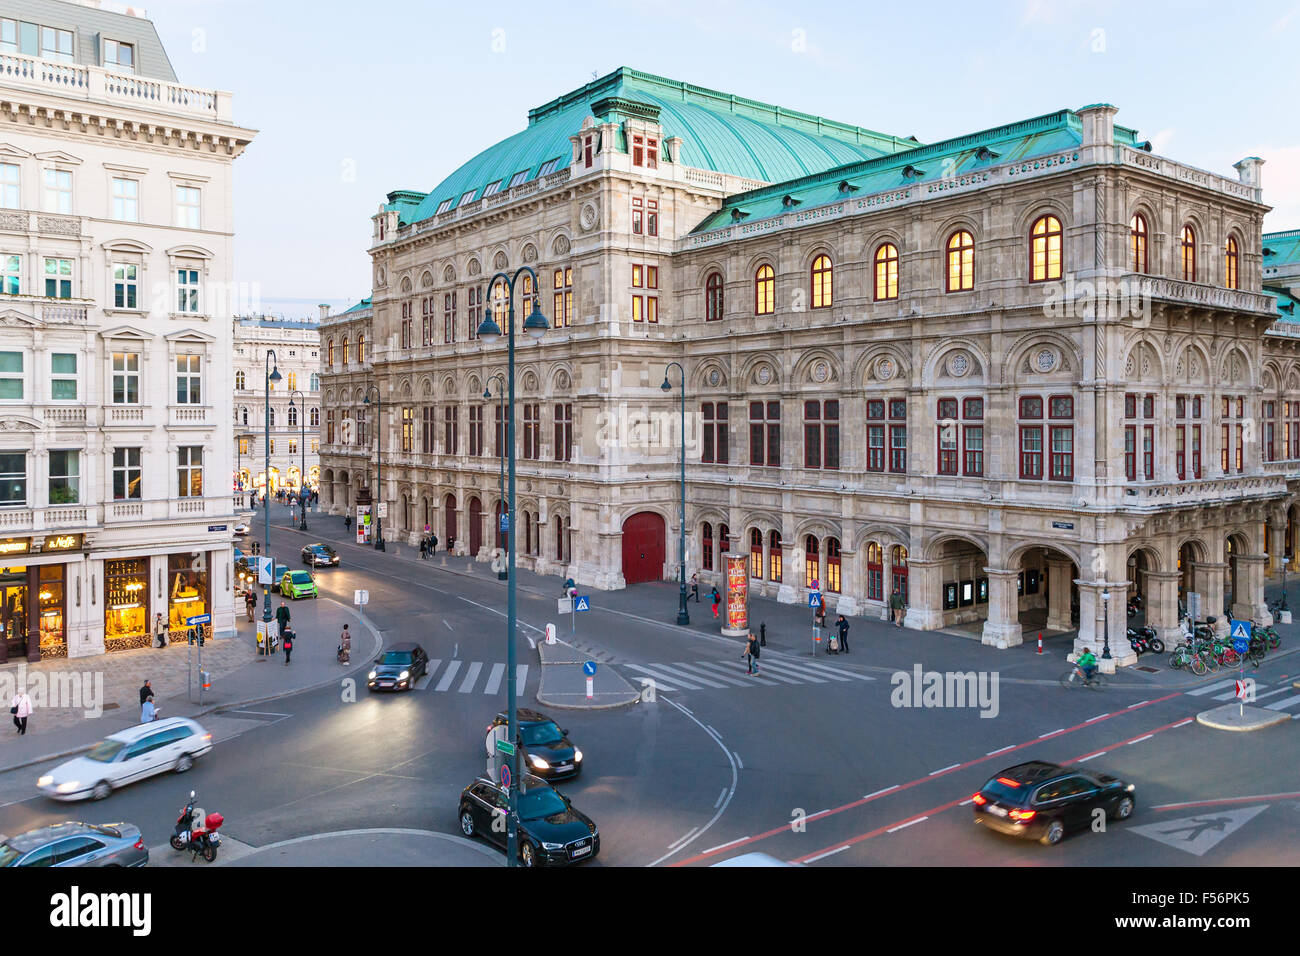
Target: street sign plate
{"x":505,"y":747}
{"x":217,"y":527}
{"x":566,"y":605}
{"x":383,"y":509}
{"x":263,"y":570}
{"x":589,"y":668}
{"x":361,"y":597}
{"x":505,"y":775}
{"x":814,"y":599}
{"x":199,"y":619}
{"x":584,"y":603}
{"x":505,"y":522}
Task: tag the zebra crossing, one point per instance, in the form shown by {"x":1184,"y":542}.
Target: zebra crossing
{"x":1226,"y":690}
{"x":462,"y":677}
{"x":726,"y":674}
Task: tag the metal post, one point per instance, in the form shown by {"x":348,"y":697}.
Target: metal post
{"x":379,"y":464}
{"x":272,"y":375}
{"x":1105,"y":618}
{"x":198,"y":634}
{"x":501,"y":454}
{"x":683,"y":616}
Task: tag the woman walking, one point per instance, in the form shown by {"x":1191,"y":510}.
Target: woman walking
{"x":21,"y":708}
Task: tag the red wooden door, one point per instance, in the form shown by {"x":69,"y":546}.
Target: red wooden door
{"x":643,"y":548}
{"x":475,"y":526}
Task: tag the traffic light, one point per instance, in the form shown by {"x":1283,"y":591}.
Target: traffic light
{"x":201,"y":629}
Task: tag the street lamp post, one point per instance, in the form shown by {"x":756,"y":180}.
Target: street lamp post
{"x":379,"y":462}
{"x":682,"y":616}
{"x":501,"y":480}
{"x":273,"y":377}
{"x":1105,"y":624}
{"x":302,"y":461}
{"x":489,"y":332}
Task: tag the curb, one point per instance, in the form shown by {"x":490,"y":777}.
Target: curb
{"x":227,"y":705}
{"x":399,"y":831}
{"x":551,"y":702}
{"x":614,"y":706}
{"x":1226,"y":718}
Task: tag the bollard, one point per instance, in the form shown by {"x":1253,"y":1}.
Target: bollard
{"x":1040,"y":642}
{"x":762,"y":634}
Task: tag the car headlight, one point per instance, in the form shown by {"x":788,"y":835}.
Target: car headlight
{"x":370,"y":676}
{"x":1130,"y":788}
{"x":577,"y":755}
{"x":538,"y":762}
{"x":403,"y":675}
{"x":44,"y":781}
{"x":552,"y":846}
{"x":67,"y":787}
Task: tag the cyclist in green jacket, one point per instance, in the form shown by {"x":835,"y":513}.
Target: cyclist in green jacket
{"x":1087,"y":663}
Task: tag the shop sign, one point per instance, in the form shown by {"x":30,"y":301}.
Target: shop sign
{"x":15,"y":546}
{"x":61,"y":542}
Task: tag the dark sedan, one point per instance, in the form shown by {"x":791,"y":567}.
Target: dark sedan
{"x":76,"y":844}
{"x":552,"y":832}
{"x":399,"y":668}
{"x":320,"y":554}
{"x":547,"y":751}
{"x":1044,"y":801}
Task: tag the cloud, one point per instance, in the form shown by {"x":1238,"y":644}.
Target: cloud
{"x":1281,"y":179}
{"x":1284,"y":21}
{"x":1160,"y":141}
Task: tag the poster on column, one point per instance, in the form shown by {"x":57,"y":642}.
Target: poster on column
{"x":737,"y":622}
{"x":363,"y":524}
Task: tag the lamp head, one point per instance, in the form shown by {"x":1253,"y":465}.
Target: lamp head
{"x":488,"y":330}
{"x":487,"y":393}
{"x":536,"y":325}
{"x":666,"y":386}
{"x":276,"y":376}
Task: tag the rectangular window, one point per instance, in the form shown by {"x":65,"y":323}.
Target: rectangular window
{"x":126,"y":474}
{"x":118,"y":54}
{"x":563,"y":432}
{"x":532,"y":431}
{"x":822,"y":434}
{"x":188,"y":388}
{"x":449,"y":317}
{"x":293,"y":446}
{"x":638,"y":217}
{"x":126,"y":378}
{"x":548,"y":167}
{"x":329,"y":426}
{"x":476,"y":430}
{"x":126,"y":200}
{"x":973,"y":442}
{"x":10,"y":194}
{"x":8,"y":35}
{"x":11,"y":274}
{"x":125,"y":285}
{"x":1148,"y":452}
{"x":652,"y":217}
{"x":58,"y":191}
{"x":187,"y":291}
{"x":450,"y":430}
{"x":948,"y":436}
{"x":1196,"y":451}
{"x":636,"y":276}
{"x":56,"y":44}
{"x":636,"y":309}
{"x":1130,"y":452}
{"x":518,"y":179}
{"x":499,"y":429}
{"x":638,"y":150}
{"x":466,"y":197}
{"x":13,"y":478}
{"x":11,"y":376}
{"x":716,"y":421}
{"x":1180,"y":452}
{"x":1269,"y":419}
{"x":408,"y":431}
{"x":188,"y":210}
{"x":1062,"y":453}
{"x":765,"y":434}
{"x":491,"y":189}
{"x":1031,"y":451}
{"x":63,"y":376}
{"x":189,"y":471}
{"x":474,"y":311}
{"x":1139,"y":437}
{"x":58,"y":278}
{"x":428,"y":429}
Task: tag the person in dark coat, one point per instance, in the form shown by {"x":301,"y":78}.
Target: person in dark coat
{"x":424,"y":549}
{"x":842,"y":625}
{"x":288,"y":646}
{"x":282,"y":617}
{"x":695,"y":586}
{"x":751,"y":653}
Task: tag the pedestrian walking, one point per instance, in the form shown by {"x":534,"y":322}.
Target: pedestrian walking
{"x":751,"y":653}
{"x":716,"y":600}
{"x":282,"y":617}
{"x":160,"y":629}
{"x":695,"y":586}
{"x":250,"y":602}
{"x":424,"y":549}
{"x":347,"y":521}
{"x":288,"y":646}
{"x":148,"y":712}
{"x":819,"y":617}
{"x":896,"y":607}
{"x":433,"y":543}
{"x":842,"y":625}
{"x":21,"y":708}
{"x":345,"y":646}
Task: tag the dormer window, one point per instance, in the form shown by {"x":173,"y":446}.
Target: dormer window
{"x":645,"y":151}
{"x":912,"y":172}
{"x":467,"y":197}
{"x":985,"y":154}
{"x":518,"y":179}
{"x":789,"y":202}
{"x":847,"y":187}
{"x":737,"y":215}
{"x":121,"y":55}
{"x":442,"y":207}
{"x":587,"y":146}
{"x":491,"y":189}
{"x":548,"y":167}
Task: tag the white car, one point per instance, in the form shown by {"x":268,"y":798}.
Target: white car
{"x":241,"y":530}
{"x":127,"y":756}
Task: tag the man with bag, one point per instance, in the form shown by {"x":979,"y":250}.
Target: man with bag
{"x":842,"y":625}
{"x":751,"y":653}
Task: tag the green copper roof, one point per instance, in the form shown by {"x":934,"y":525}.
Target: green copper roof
{"x":1286,"y":304}
{"x":1281,"y":248}
{"x":362,"y":306}
{"x":1041,"y":138}
{"x":719,"y":132}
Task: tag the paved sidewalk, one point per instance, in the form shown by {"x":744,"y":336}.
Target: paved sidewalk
{"x":385,"y":846}
{"x":564,"y":683}
{"x":239,"y":676}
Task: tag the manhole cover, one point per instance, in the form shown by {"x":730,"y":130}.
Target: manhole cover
{"x":1148,"y":670}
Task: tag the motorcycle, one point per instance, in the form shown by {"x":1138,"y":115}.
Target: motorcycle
{"x":181,"y":834}
{"x":1143,"y":640}
{"x":198,"y":839}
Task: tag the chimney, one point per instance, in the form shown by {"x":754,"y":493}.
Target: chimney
{"x":1098,"y":124}
{"x":324,"y":311}
{"x":1248,"y":171}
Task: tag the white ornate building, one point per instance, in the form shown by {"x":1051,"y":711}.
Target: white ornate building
{"x":115,"y":243}
{"x":1016,"y":375}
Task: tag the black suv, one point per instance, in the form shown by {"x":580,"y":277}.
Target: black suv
{"x":1042,"y":801}
{"x":547,"y":751}
{"x":398,"y":668}
{"x":551,"y":831}
{"x":318,"y":554}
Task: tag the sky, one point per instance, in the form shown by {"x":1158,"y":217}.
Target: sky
{"x":354,"y":100}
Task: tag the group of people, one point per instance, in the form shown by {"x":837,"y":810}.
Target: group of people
{"x":428,"y":544}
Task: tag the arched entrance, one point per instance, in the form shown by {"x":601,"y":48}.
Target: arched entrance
{"x":1047,"y":599}
{"x":1234,"y":580}
{"x":475,"y":526}
{"x":449,"y":519}
{"x":643,"y":547}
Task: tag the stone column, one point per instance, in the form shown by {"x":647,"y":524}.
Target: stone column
{"x":925,"y":595}
{"x":1277,"y":542}
{"x":1093,"y":614}
{"x":851,"y":585}
{"x":1058,"y":594}
{"x":33,"y":613}
{"x":1002,"y":629}
{"x":1248,"y":599}
{"x":1162,"y":605}
{"x":1208,"y":580}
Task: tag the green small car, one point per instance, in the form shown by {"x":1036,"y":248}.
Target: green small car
{"x":296,"y":584}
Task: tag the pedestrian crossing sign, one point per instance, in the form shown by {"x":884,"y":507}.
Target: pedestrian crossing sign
{"x":1240,"y":630}
{"x":814,"y":599}
{"x":582,"y":603}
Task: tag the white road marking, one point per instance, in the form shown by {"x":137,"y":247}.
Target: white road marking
{"x":935,"y":773}
{"x":685,"y":677}
{"x":449,"y":627}
{"x":688,"y":669}
{"x":1060,"y":730}
{"x":834,"y":673}
{"x":1098,"y":717}
{"x":879,"y":792}
{"x":1138,"y":704}
{"x":448,"y":675}
{"x":723,"y":846}
{"x":259,"y":713}
{"x":692,"y":829}
{"x":471,"y":677}
{"x":1090,"y":756}
{"x":724,"y":672}
{"x":1209,"y":688}
{"x":739,"y":762}
{"x":1000,"y":750}
{"x":721,"y":796}
{"x":904,"y":826}
{"x":521,"y":677}
{"x":1279,"y":704}
{"x":662,"y":683}
{"x":494,"y":678}
{"x":966,"y":802}
{"x":1140,"y":739}
{"x":784,"y":667}
{"x":1182,"y":723}
{"x":822,"y":856}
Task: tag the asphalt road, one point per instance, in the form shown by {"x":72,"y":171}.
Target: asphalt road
{"x":808,"y":761}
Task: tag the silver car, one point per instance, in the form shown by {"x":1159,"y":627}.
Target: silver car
{"x":76,"y":844}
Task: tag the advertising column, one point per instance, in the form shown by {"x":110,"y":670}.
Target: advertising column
{"x":735,"y":567}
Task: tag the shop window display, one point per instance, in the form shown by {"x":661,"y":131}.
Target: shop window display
{"x":126,"y":604}
{"x":187,"y":591}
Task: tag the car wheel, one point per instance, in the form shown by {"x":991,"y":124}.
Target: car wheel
{"x":183,"y":763}
{"x":1124,"y":809}
{"x":1055,"y":831}
{"x":527,"y":855}
{"x":467,"y":823}
{"x":101,"y":790}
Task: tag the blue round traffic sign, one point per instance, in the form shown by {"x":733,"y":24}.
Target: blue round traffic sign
{"x":505,"y":774}
{"x":589,"y":668}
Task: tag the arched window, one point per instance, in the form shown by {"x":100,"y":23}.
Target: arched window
{"x":833,"y":565}
{"x":244,"y":412}
{"x":713,"y":297}
{"x":239,"y":381}
{"x":898,"y":561}
{"x":1137,"y":243}
{"x":756,"y":553}
{"x":886,"y":272}
{"x":559,"y":538}
{"x":271,"y":420}
{"x":1188,"y":246}
{"x":764,"y":291}
{"x":821,"y":282}
{"x":293,"y":416}
{"x":361,"y":348}
{"x":315,"y":382}
{"x":706,"y":550}
{"x":724,"y":539}
{"x":875,"y":573}
{"x":1045,"y":249}
{"x":774,"y":556}
{"x":1231,"y":260}
{"x":345,"y":351}
{"x":811,"y":560}
{"x":329,"y":352}
{"x":314,"y":421}
{"x":961,"y":262}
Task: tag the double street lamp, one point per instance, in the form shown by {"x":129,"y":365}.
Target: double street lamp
{"x":1105,"y":623}
{"x":501,"y":451}
{"x":302,"y":467}
{"x":490,"y":333}
{"x":273,"y":377}
{"x":379,"y":462}
{"x":682,"y":616}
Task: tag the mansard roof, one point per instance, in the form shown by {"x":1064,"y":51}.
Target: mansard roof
{"x":1281,"y":248}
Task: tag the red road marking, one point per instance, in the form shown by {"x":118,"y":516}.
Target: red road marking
{"x":785,"y":827}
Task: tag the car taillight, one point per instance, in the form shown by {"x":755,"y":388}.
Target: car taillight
{"x":1023,"y":814}
{"x":980,"y":799}
{"x":139,"y":844}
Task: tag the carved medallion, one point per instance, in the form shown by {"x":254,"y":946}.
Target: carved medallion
{"x":589,"y":217}
{"x":959,"y":364}
{"x":1046,"y":360}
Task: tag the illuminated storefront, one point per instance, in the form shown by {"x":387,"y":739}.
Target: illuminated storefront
{"x":126,"y":604}
{"x":38,"y":586}
{"x":187,"y":588}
